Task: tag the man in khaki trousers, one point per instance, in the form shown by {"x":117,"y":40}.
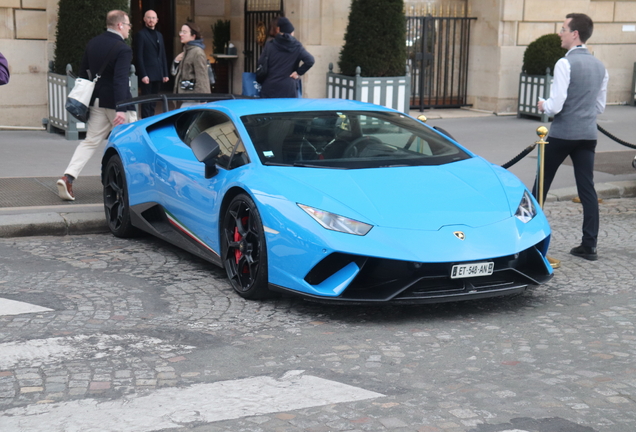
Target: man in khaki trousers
{"x":111,"y":88}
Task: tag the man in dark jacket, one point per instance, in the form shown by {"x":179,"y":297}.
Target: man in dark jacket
{"x":111,"y":88}
{"x":4,"y":70}
{"x":152,"y":65}
{"x":284,"y":55}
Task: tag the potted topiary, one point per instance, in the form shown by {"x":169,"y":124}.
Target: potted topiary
{"x":373,"y":58}
{"x":535,"y":79}
{"x":220,"y":36}
{"x":78,"y":21}
{"x":220,"y":41}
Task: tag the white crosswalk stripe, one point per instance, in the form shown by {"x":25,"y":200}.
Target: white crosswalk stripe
{"x":12,"y":307}
{"x":182,"y":407}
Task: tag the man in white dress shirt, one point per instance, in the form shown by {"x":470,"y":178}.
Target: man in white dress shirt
{"x":577,"y":96}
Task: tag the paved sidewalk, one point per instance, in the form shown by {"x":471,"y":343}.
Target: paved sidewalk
{"x":33,"y":160}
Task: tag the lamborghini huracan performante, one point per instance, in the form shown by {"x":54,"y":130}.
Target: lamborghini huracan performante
{"x":331,"y":200}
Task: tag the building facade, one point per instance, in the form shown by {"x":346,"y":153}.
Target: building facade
{"x":499,"y":35}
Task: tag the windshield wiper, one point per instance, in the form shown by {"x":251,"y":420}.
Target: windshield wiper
{"x":275,"y":164}
{"x":304,"y":165}
{"x":301,"y":164}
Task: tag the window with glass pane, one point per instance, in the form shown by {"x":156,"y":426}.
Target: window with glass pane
{"x":335,"y":139}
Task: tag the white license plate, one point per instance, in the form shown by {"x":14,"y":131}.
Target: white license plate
{"x":472,"y":270}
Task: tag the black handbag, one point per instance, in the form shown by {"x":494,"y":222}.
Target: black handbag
{"x":262,"y":69}
{"x":261,"y":72}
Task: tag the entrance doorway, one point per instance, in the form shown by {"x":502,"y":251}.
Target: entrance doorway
{"x":258,"y":15}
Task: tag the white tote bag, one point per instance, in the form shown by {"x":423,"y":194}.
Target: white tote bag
{"x":79,"y":99}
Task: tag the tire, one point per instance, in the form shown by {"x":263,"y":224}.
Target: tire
{"x":116,"y":200}
{"x":244,"y":248}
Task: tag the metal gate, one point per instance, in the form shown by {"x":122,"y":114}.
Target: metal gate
{"x":258,"y":15}
{"x":438,"y":59}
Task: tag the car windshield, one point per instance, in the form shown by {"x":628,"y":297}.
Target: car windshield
{"x":347,"y":139}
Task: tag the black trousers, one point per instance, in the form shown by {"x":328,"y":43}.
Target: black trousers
{"x":153,"y":87}
{"x":582,"y":154}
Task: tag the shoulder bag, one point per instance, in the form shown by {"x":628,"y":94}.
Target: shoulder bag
{"x":263,"y":69}
{"x":79,"y":99}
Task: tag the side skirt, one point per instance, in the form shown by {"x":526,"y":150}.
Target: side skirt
{"x":154,"y":219}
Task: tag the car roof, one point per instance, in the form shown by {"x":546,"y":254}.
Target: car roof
{"x":243,"y":107}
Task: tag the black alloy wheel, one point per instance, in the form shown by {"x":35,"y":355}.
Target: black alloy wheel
{"x":244,"y":249}
{"x":116,"y":200}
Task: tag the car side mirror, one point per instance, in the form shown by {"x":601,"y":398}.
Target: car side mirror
{"x":206,"y":150}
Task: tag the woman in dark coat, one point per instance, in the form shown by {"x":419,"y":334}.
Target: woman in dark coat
{"x":284,"y":55}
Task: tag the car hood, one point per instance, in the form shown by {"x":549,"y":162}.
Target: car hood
{"x":467,"y":193}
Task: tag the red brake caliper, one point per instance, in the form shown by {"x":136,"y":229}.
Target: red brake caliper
{"x":237,"y":252}
{"x":237,"y":238}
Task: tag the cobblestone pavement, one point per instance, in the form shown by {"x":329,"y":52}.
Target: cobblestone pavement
{"x":133,"y":316}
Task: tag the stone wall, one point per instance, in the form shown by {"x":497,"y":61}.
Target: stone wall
{"x":24,"y":31}
{"x":505,"y":27}
{"x":499,"y":37}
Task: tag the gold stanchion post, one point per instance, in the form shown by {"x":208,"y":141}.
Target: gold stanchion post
{"x":542,"y":131}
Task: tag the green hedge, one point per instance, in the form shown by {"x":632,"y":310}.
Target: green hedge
{"x":375,"y":39}
{"x":78,"y":21}
{"x":543,"y":53}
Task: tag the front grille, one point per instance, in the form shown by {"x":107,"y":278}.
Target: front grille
{"x":386,"y":280}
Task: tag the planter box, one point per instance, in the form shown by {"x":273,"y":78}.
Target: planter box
{"x":531,"y":88}
{"x":391,"y":92}
{"x":59,"y":87}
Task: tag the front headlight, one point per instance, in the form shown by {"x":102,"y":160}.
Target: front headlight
{"x":334,"y":222}
{"x":526,"y":210}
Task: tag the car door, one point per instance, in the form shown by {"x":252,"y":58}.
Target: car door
{"x":190,"y":199}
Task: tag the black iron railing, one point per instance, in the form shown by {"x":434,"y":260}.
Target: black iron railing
{"x":256,"y":29}
{"x":438,"y":59}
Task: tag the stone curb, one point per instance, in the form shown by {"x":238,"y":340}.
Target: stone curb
{"x":620,"y":189}
{"x":52,"y":223}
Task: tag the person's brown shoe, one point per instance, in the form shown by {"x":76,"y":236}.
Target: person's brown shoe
{"x":578,"y":200}
{"x":65,"y":189}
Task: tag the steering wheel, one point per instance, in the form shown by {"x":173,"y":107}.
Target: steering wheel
{"x":352,"y":149}
{"x":307,"y":151}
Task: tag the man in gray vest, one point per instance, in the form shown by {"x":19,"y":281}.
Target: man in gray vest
{"x":577,"y":96}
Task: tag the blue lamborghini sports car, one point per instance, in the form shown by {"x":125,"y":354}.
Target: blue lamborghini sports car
{"x":331,"y":200}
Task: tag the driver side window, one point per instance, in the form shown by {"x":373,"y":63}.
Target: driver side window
{"x":219,"y":127}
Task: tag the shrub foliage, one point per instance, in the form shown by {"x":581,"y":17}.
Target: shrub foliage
{"x":542,"y":53}
{"x":375,"y":39}
{"x":78,"y":21}
{"x":220,"y":35}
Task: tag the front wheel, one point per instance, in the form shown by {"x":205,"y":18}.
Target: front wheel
{"x":244,"y":249}
{"x":116,"y":200}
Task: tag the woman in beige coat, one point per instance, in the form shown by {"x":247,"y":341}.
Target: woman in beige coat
{"x":191,"y":66}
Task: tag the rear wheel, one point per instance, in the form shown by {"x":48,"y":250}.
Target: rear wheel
{"x":116,"y":200}
{"x":244,"y":249}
